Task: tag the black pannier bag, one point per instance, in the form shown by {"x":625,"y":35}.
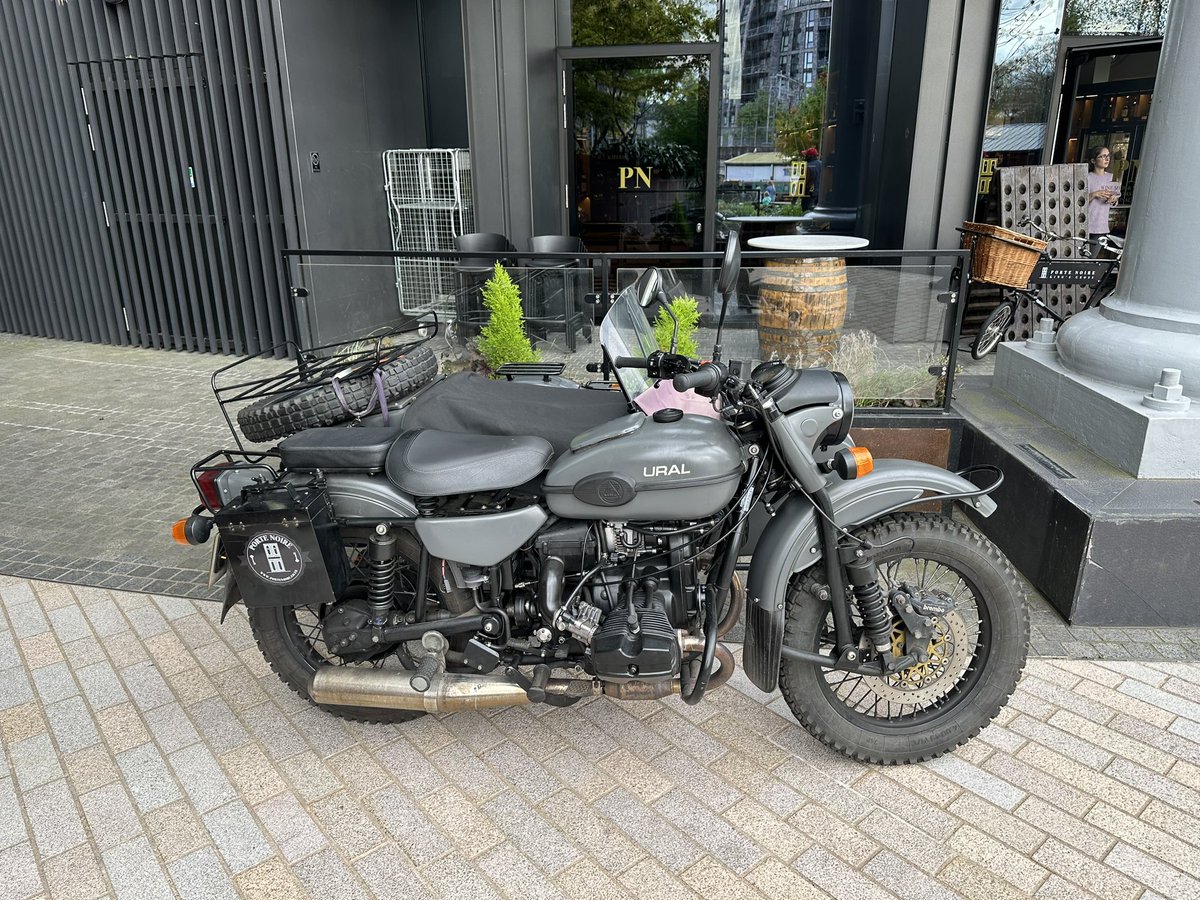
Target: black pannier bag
{"x":284,"y":545}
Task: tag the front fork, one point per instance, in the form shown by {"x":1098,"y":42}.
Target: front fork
{"x":849,"y":569}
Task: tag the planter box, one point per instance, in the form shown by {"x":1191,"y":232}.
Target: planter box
{"x":926,"y":435}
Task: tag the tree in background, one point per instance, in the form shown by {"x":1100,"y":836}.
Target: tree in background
{"x":617,"y":98}
{"x":1021,"y":86}
{"x":599,"y":23}
{"x":1116,"y":16}
{"x":799,"y":127}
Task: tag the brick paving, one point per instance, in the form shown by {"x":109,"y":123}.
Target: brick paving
{"x":150,"y":752}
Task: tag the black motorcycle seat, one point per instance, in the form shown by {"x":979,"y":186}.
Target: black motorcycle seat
{"x":339,"y":449}
{"x":471,"y":404}
{"x":439,"y":463}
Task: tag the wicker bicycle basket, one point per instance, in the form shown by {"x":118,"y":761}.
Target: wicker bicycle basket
{"x":1001,"y":256}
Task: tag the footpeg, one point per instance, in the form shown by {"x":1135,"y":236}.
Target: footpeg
{"x":537,"y":685}
{"x":435,"y":645}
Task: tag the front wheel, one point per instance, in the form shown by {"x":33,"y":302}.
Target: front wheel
{"x":992,"y":330}
{"x":975,"y":655}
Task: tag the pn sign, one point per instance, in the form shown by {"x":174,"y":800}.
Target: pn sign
{"x":639,"y":176}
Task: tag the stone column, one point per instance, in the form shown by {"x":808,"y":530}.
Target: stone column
{"x":1152,"y":320}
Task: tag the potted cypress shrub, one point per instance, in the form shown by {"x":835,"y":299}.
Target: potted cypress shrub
{"x":504,"y":338}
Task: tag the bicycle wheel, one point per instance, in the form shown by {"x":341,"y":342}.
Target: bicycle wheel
{"x":991,"y":332}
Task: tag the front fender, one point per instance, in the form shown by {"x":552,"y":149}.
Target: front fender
{"x":790,"y":543}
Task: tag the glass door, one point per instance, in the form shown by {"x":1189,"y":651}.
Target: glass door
{"x":639,"y":146}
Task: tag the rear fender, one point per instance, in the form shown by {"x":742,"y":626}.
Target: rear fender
{"x":790,"y":543}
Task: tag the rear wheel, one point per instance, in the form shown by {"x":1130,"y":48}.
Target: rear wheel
{"x":991,"y":332}
{"x":976,"y":652}
{"x":291,"y":640}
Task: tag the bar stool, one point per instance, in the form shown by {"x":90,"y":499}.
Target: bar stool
{"x":556,"y":288}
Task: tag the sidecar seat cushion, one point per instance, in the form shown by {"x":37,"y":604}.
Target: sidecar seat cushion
{"x":339,"y":449}
{"x":439,"y":463}
{"x":472,"y":404}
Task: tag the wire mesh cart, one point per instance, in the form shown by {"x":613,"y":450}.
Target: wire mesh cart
{"x":429,"y":205}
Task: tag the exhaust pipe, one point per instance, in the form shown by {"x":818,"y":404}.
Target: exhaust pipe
{"x":384,"y":689}
{"x":691,"y":643}
{"x":448,"y":692}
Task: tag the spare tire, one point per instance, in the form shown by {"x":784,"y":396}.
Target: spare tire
{"x":279,"y":415}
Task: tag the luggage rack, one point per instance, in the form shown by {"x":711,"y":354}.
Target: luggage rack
{"x":315,"y":366}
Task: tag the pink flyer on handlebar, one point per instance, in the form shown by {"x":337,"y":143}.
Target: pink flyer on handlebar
{"x":664,"y":396}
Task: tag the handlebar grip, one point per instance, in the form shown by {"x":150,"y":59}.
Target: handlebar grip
{"x":631,"y":362}
{"x":705,"y":378}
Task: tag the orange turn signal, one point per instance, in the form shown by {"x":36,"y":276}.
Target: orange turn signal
{"x":863,"y":461}
{"x":179,"y":532}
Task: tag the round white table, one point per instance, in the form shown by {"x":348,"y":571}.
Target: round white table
{"x":808,"y":242}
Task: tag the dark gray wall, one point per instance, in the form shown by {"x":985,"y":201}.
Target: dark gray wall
{"x":513,"y":113}
{"x":353,"y":88}
{"x":894,"y":114}
{"x":445,"y":74}
{"x":139,"y":193}
{"x":956,"y":71}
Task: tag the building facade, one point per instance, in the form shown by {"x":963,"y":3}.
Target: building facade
{"x":158,"y":156}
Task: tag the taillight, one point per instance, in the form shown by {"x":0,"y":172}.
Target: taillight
{"x":207,"y":482}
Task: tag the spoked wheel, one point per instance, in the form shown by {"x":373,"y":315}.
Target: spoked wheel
{"x":292,"y":641}
{"x":976,"y":651}
{"x":991,"y":332}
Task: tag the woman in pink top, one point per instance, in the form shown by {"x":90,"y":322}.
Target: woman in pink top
{"x":1102,"y":194}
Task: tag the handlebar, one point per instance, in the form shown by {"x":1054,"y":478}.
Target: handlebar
{"x":705,"y":380}
{"x":631,"y":362}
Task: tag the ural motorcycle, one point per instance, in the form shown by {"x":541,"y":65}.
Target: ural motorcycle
{"x":466,"y":555}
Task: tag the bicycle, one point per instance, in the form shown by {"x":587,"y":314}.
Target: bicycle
{"x":1082,"y":270}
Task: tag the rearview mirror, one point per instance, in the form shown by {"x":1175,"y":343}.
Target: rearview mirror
{"x":731,"y":264}
{"x":647,"y":287}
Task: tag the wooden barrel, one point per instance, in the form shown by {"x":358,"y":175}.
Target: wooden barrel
{"x":801,"y":309}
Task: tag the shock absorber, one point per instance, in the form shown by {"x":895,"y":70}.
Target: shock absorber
{"x":381,"y":574}
{"x":877,"y":621}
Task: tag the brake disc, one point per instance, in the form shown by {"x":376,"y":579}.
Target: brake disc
{"x":923,"y":683}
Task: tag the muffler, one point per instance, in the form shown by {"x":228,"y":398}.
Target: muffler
{"x":390,"y":689}
{"x":448,"y":692}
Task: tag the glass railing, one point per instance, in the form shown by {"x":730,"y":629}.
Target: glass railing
{"x":885,"y":319}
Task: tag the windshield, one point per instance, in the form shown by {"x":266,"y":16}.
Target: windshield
{"x":626,"y":332}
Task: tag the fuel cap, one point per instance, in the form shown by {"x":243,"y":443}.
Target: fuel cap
{"x":670,"y":414}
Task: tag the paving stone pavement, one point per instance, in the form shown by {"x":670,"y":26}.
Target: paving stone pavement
{"x":149,"y":752}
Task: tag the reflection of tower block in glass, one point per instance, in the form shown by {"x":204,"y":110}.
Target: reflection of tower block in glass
{"x":1054,"y":198}
{"x":429,"y":205}
{"x":801,"y":310}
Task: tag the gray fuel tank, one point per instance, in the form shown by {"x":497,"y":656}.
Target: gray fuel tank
{"x":636,"y":468}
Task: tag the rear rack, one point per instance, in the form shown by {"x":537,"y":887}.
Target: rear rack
{"x":545,"y":370}
{"x":315,"y":366}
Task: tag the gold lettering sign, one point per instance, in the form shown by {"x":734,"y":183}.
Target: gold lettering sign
{"x":639,"y":175}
